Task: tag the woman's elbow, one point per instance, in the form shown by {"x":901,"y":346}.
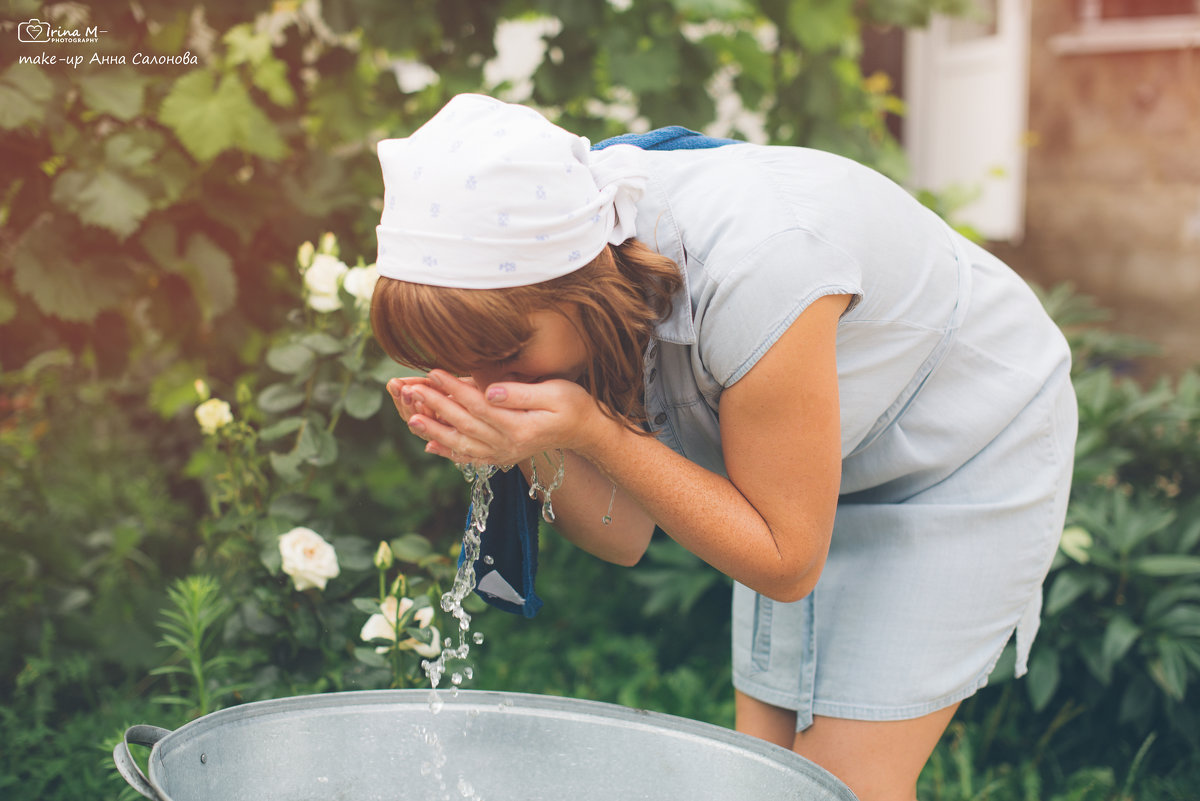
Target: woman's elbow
{"x":792,"y":583}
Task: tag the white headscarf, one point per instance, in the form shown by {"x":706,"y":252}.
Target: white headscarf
{"x":489,"y":194}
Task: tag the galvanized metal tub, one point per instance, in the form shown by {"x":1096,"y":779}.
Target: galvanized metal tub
{"x":388,"y":745}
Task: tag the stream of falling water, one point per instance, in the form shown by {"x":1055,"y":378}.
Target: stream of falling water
{"x":464,"y":579}
{"x":479,"y":475}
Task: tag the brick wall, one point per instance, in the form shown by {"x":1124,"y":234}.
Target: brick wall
{"x":1114,"y":184}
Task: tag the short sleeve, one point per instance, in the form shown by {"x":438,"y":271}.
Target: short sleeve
{"x":744,"y":309}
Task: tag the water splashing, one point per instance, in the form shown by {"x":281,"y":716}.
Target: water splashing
{"x":479,"y":476}
{"x":464,"y":580}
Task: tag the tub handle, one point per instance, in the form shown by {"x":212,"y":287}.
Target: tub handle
{"x":141,"y":734}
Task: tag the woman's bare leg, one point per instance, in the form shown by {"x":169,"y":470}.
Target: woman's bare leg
{"x":771,"y":723}
{"x":878,"y":760}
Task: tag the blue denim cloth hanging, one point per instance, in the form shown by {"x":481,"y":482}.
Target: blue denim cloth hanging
{"x":511,"y":536}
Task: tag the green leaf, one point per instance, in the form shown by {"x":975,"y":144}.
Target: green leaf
{"x":386,"y":369}
{"x":1043,"y":677}
{"x":209,"y":270}
{"x":46,"y":268}
{"x":354,"y":553}
{"x":1172,"y":595}
{"x":368,"y":657}
{"x":1170,"y":670}
{"x":423,"y":636}
{"x":102,"y":197}
{"x":1118,"y":638}
{"x":822,"y":24}
{"x":411,"y":548}
{"x":295,"y":508}
{"x":1181,"y":621}
{"x":279,"y":398}
{"x":173,"y":389}
{"x":271,"y":558}
{"x":317,"y":446}
{"x":362,"y":400}
{"x":25,"y":92}
{"x":327,"y":447}
{"x":321,"y":343}
{"x":286,"y":466}
{"x":368,"y":606}
{"x":8,"y":308}
{"x":117,"y":92}
{"x":291,"y":358}
{"x":1067,"y":586}
{"x":271,"y":75}
{"x":645,"y":65}
{"x":134,"y":150}
{"x":1166,"y":565}
{"x":210,"y":115}
{"x":708,"y":9}
{"x":280,"y":429}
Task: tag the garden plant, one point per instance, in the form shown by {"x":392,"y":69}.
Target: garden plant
{"x":206,"y":499}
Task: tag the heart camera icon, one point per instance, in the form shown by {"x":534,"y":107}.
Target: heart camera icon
{"x":33,"y":31}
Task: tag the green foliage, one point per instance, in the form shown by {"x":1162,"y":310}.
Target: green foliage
{"x":190,"y":627}
{"x":1123,"y":604}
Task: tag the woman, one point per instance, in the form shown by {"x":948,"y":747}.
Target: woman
{"x":780,"y":359}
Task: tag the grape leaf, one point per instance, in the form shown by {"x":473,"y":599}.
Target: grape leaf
{"x":211,"y":117}
{"x":103,"y":197}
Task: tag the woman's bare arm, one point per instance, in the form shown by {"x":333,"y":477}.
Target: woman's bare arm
{"x":767,"y":525}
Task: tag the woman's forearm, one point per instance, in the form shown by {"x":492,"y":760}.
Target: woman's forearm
{"x":707,"y":514}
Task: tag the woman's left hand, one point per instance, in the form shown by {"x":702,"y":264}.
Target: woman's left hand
{"x":506,"y":423}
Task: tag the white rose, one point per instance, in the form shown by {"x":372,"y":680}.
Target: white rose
{"x":308,"y":558}
{"x":382,"y":626}
{"x":360,"y":282}
{"x":322,"y":279}
{"x":212,"y":415}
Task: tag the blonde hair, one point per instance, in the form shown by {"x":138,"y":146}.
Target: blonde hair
{"x":620,"y":296}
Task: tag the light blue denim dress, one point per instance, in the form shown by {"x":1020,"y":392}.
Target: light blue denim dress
{"x":957,"y":413}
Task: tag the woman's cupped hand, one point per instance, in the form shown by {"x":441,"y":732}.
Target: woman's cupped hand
{"x":503,"y":423}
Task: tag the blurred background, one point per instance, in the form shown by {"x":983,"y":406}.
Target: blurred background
{"x":188,"y":195}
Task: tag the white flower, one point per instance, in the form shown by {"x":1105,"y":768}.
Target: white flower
{"x":382,"y":626}
{"x":322,"y":279}
{"x":308,"y":558}
{"x":212,"y":415}
{"x":360,"y":282}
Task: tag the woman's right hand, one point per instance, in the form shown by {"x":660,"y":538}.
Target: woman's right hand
{"x":406,"y":403}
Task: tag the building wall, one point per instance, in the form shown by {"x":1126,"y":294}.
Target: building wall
{"x":1113,"y":192}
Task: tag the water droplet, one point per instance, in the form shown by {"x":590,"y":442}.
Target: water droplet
{"x":456,"y":678}
{"x":465,"y":788}
{"x":478,"y":637}
{"x":435,"y":702}
{"x":488,"y":560}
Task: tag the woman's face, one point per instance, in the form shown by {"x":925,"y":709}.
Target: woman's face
{"x":555,"y":350}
